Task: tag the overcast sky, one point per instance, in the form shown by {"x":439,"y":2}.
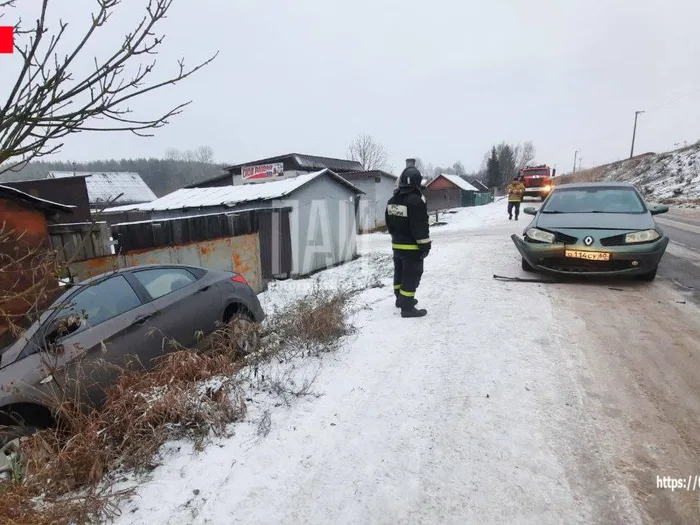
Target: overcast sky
{"x":441,"y":80}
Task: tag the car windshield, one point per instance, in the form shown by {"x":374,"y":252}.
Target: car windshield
{"x":594,"y":200}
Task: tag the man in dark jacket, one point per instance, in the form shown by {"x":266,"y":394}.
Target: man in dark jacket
{"x":407,"y":221}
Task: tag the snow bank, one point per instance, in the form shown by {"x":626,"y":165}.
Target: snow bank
{"x":672,"y":177}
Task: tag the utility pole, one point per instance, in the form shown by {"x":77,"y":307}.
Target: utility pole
{"x":575,"y":155}
{"x":580,"y":159}
{"x":634,"y":133}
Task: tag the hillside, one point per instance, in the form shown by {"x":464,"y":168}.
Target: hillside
{"x":670,"y":178}
{"x":162,"y":175}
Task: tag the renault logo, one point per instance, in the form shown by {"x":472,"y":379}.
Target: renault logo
{"x":588,"y":240}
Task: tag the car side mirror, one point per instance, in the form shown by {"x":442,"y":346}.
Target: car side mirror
{"x":530,"y":210}
{"x":656,"y":210}
{"x":61,"y":327}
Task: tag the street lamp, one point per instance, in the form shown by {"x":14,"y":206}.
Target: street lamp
{"x":575,"y":155}
{"x":634,"y":133}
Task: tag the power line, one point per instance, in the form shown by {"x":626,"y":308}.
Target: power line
{"x":611,"y":136}
{"x":673,"y":100}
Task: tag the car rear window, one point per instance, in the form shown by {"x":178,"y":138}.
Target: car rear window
{"x":162,"y":281}
{"x":594,"y":200}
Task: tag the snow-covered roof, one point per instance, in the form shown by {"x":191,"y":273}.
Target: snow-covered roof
{"x":356,"y":175}
{"x":103,"y":187}
{"x":457,"y":181}
{"x":308,"y":162}
{"x":229,"y":196}
{"x":476,"y":182}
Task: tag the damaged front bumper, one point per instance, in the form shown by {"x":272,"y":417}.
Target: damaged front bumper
{"x":624,"y":260}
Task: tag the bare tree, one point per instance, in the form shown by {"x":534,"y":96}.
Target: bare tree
{"x":524,"y":154}
{"x":51,"y":99}
{"x":173,"y":154}
{"x":205,"y":155}
{"x":202,"y":155}
{"x":368,"y":152}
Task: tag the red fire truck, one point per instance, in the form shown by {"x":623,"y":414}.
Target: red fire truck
{"x":537,"y":180}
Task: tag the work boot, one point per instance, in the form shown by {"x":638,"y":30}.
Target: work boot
{"x":398,"y":300}
{"x":413,"y":312}
{"x":510,"y":217}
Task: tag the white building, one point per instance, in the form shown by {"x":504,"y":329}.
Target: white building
{"x":322,"y":220}
{"x":378,"y":187}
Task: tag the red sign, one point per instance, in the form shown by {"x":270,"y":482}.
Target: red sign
{"x":264,"y":171}
{"x":7,"y":39}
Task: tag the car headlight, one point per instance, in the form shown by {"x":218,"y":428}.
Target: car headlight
{"x":539,"y":235}
{"x":547,"y":187}
{"x":642,"y":236}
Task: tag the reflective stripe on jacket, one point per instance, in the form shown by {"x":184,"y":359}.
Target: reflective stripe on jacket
{"x":515,"y":191}
{"x":407,"y":220}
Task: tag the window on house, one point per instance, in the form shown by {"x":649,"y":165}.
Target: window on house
{"x":377,"y":179}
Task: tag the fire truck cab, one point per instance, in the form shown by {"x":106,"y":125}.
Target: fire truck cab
{"x":537,"y":180}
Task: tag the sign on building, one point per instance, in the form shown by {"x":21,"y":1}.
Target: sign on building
{"x":262,"y":171}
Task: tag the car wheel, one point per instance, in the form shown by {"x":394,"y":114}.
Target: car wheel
{"x":526,"y":266}
{"x":241,"y":336}
{"x":649,"y":276}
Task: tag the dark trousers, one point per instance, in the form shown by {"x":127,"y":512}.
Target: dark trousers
{"x":408,"y":270}
{"x":513,"y":205}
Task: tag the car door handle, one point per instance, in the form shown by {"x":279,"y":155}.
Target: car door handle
{"x":142,"y":319}
{"x":204,"y":288}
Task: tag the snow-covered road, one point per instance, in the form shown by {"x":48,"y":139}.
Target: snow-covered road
{"x":509,"y":403}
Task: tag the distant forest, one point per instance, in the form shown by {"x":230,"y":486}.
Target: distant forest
{"x":162,"y":175}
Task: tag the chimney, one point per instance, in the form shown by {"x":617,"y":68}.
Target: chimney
{"x":410,"y":163}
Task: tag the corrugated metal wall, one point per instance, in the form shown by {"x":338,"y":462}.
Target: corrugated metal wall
{"x":240,"y":254}
{"x":160,"y":233}
{"x":255,"y":243}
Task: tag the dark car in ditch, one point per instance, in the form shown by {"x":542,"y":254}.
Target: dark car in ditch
{"x":109,"y":319}
{"x":594,"y":229}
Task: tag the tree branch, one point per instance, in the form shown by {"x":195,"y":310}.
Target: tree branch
{"x":50,"y":100}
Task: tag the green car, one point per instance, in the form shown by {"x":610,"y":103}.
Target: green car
{"x":593,"y":229}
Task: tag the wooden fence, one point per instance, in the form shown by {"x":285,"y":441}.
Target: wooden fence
{"x":80,"y":241}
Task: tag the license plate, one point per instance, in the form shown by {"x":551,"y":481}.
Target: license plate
{"x":589,"y":256}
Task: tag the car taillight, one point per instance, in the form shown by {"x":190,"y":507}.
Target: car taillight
{"x":239,"y":279}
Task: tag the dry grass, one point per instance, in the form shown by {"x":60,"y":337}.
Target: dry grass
{"x":27,"y":505}
{"x":315,"y":322}
{"x":186,"y":394}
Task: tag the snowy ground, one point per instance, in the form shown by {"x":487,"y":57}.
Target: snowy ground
{"x":508,"y":403}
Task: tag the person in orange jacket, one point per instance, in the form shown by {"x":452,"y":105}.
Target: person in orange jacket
{"x":515,"y":190}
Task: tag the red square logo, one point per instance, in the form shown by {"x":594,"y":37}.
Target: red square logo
{"x":7,"y":39}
